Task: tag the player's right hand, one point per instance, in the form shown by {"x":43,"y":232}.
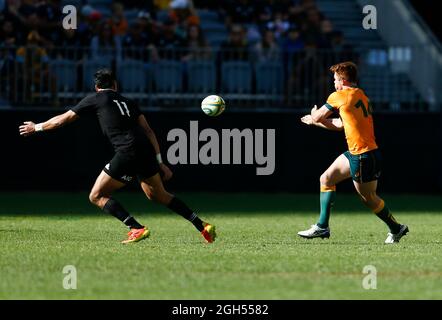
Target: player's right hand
{"x":307,"y":119}
{"x":27,"y":128}
{"x":166,"y":172}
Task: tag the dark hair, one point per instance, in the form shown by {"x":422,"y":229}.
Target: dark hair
{"x":202,"y":42}
{"x":104,"y":79}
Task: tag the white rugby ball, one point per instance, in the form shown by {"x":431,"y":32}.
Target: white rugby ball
{"x":213,"y":105}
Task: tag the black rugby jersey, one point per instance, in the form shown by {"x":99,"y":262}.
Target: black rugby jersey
{"x":118,"y":118}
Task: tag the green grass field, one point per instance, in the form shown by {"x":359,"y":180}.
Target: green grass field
{"x":257,"y":254}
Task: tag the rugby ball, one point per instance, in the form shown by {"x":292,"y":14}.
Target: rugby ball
{"x":213,"y":105}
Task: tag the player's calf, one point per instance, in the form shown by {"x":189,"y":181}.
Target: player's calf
{"x":154,"y":190}
{"x":206,"y":229}
{"x":383,"y":213}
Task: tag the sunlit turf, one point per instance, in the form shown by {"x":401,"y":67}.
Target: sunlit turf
{"x":256,"y":256}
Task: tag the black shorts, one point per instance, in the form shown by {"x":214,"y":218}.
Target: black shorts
{"x":125,"y":166}
{"x":365,"y":167}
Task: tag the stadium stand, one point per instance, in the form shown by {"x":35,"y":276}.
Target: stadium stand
{"x":265,"y":51}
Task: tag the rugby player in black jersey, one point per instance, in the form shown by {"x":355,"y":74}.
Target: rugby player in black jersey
{"x":137,"y":155}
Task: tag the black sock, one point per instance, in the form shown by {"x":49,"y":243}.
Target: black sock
{"x":114,"y":208}
{"x":177,"y":206}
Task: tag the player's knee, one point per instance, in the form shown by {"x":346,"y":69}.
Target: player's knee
{"x":324,"y":179}
{"x":94,"y":198}
{"x":148,"y":194}
{"x":369,"y":198}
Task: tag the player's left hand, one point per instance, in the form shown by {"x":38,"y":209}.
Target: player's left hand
{"x":27,"y":128}
{"x":166,"y":172}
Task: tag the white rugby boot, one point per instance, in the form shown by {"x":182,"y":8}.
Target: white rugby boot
{"x":315,"y":232}
{"x":395,"y":237}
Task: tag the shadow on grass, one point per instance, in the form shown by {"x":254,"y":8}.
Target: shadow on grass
{"x":71,"y":204}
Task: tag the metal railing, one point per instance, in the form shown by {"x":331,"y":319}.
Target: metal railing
{"x":262,"y":80}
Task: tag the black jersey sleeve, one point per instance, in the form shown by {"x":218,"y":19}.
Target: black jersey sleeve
{"x":136,"y":109}
{"x":86,"y":105}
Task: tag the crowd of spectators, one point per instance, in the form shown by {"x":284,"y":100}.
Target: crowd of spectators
{"x":256,"y":30}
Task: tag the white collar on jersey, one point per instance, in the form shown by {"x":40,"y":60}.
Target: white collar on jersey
{"x":99,"y":90}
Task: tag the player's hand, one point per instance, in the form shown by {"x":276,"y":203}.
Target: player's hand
{"x":308,"y":120}
{"x":27,"y":128}
{"x":166,"y":172}
{"x":314,"y":109}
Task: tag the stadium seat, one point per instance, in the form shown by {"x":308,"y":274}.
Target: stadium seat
{"x":213,"y":26}
{"x":208,"y":16}
{"x":98,"y":3}
{"x":269,"y":77}
{"x":65,"y":72}
{"x":131,"y":15}
{"x":89,"y":69}
{"x":162,"y":15}
{"x":236,"y":77}
{"x":106,"y":11}
{"x":132,"y":76}
{"x":215,"y":40}
{"x":168,"y":76}
{"x":202,"y":76}
{"x":76,"y":3}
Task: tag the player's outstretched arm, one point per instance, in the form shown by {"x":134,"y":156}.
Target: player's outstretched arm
{"x":167,"y":174}
{"x":319,"y":118}
{"x":318,"y":115}
{"x":28,"y":127}
{"x":330,"y":124}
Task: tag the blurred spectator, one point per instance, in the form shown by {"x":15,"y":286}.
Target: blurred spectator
{"x":8,"y":36}
{"x":267,"y":49}
{"x":90,"y":20}
{"x":324,"y":40}
{"x":169,"y":43}
{"x":26,"y":9}
{"x":293,"y":42}
{"x":239,"y":11}
{"x":69,"y":45}
{"x":138,"y":44}
{"x":8,"y":41}
{"x":148,"y":26}
{"x":197,"y":47}
{"x":162,"y":4}
{"x":279,"y":24}
{"x":184,"y":15}
{"x":151,"y":29}
{"x":7,"y":73}
{"x":207,"y":4}
{"x":264,"y":13}
{"x":297,"y":11}
{"x":253,"y":34}
{"x":33,"y":54}
{"x":34,"y":72}
{"x":145,"y":5}
{"x":49,"y":18}
{"x":236,"y":47}
{"x":340,"y":50}
{"x":312,"y":26}
{"x":23,"y":14}
{"x":105,"y":46}
{"x":118,"y":21}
